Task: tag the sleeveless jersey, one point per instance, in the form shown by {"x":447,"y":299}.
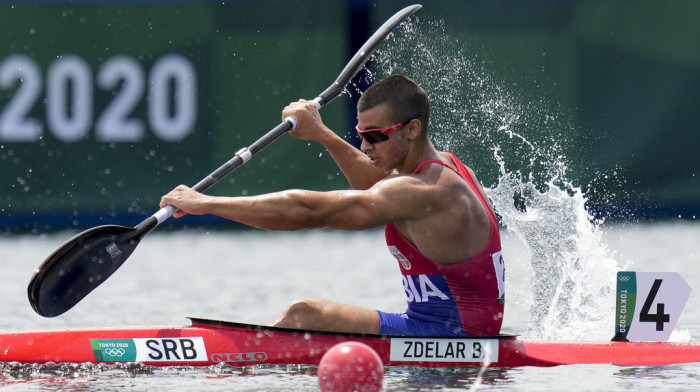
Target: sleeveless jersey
{"x":467,"y":296}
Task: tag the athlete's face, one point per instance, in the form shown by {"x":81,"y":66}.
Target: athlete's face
{"x":384,"y":155}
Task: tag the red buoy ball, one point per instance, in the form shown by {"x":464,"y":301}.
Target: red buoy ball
{"x":350,"y":366}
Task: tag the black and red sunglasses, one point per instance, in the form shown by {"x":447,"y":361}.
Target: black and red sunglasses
{"x":376,"y":135}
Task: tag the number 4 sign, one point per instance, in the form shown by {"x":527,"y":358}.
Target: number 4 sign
{"x":648,"y":305}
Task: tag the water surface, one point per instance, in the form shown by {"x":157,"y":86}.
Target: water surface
{"x":248,"y":276}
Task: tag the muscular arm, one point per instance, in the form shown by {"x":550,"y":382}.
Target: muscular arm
{"x":388,"y":201}
{"x":351,"y":161}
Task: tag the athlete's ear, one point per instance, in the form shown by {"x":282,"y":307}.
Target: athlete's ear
{"x":414,"y":129}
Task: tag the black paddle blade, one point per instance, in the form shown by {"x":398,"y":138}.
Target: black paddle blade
{"x":78,"y":267}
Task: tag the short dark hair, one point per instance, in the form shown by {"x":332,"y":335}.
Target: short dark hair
{"x":406,"y":99}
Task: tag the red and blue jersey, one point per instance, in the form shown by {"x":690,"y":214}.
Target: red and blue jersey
{"x":467,"y":296}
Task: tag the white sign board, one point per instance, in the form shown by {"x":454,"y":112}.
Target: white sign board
{"x":648,"y":305}
{"x":444,"y":350}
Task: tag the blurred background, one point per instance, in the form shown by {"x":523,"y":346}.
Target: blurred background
{"x":107,"y":105}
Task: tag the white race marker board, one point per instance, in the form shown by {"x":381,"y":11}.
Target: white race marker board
{"x":648,"y":305}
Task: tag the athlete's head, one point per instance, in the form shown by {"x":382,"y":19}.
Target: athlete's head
{"x":405,"y":98}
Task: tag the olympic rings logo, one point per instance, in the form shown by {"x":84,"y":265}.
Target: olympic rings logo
{"x":114,"y":352}
{"x":624,"y":278}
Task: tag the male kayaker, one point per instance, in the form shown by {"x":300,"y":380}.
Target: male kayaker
{"x":438,"y":222}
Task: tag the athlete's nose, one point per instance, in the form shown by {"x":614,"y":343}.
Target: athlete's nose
{"x":365,"y":145}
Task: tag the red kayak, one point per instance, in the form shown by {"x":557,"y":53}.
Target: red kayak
{"x":209,"y":342}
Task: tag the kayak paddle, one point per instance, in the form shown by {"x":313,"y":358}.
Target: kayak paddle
{"x":88,"y":259}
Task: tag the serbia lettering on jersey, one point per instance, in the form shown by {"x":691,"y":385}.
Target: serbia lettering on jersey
{"x":467,"y":296}
{"x":419,"y":288}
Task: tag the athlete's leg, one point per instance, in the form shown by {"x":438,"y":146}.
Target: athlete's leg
{"x":326,"y":315}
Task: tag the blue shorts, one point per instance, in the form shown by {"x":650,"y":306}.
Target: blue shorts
{"x":402,"y":324}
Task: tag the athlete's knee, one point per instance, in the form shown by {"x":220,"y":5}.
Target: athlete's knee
{"x":301,"y":307}
{"x":299,"y":313}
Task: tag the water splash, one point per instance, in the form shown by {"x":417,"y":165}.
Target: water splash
{"x":573,"y":274}
{"x":516,"y":145}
